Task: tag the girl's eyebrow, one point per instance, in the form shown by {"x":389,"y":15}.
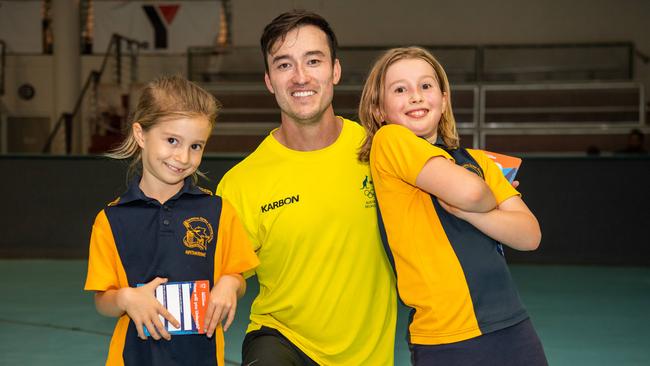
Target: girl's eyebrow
{"x":420,"y":79}
{"x":181,"y":137}
{"x":395,"y":82}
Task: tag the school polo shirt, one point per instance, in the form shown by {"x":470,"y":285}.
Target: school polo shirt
{"x":325,"y":281}
{"x":192,"y":236}
{"x":454,"y":277}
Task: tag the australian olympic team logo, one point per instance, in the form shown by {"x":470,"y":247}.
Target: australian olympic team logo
{"x":474,"y":169}
{"x":199,"y":233}
{"x":368,"y":189}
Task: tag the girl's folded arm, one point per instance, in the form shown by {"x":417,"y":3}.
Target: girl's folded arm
{"x":511,"y":223}
{"x":455,"y":185}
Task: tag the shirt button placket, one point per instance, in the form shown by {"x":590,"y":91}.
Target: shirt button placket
{"x":166,"y":216}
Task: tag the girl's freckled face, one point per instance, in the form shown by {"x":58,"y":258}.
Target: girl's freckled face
{"x":412,"y":97}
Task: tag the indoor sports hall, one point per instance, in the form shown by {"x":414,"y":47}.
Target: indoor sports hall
{"x":562,"y":85}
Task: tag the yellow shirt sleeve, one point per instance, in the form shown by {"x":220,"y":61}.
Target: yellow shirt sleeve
{"x":494,"y":177}
{"x":234,"y":195}
{"x":234,"y":251}
{"x":105,"y":269}
{"x":398,"y":151}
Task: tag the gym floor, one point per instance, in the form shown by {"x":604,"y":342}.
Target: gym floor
{"x":585,"y":315}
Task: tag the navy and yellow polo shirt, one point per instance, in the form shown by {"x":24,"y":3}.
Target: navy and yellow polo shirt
{"x":192,"y":236}
{"x":453,"y":276}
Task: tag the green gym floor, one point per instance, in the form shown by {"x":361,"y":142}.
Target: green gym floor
{"x":584,"y":315}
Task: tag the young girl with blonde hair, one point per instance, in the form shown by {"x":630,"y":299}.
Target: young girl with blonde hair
{"x":166,"y":228}
{"x":445,"y":210}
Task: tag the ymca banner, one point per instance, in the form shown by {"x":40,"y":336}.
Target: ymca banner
{"x":166,"y":26}
{"x":20,"y":26}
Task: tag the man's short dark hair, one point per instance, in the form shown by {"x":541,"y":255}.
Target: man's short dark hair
{"x":286,"y":22}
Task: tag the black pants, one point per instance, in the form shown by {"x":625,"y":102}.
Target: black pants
{"x":517,"y":345}
{"x":268,"y":347}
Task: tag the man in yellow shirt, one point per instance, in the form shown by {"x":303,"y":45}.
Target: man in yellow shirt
{"x":327,"y":291}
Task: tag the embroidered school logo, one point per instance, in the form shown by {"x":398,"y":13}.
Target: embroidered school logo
{"x":199,"y":233}
{"x":474,"y":169}
{"x":368,"y":189}
{"x":279,"y":203}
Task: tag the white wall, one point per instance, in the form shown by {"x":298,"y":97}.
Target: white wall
{"x":385,"y":22}
{"x":379,"y":22}
{"x":463,"y":22}
{"x":35,"y":70}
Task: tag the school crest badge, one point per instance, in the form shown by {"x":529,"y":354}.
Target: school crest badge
{"x":198,"y":233}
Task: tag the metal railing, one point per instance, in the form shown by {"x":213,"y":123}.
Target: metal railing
{"x":525,"y":63}
{"x":3,"y":51}
{"x":556,"y":62}
{"x":559,"y":109}
{"x":481,"y":110}
{"x":92,"y":81}
{"x":642,"y":56}
{"x":549,"y":89}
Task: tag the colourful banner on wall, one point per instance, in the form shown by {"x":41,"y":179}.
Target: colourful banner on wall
{"x":166,"y":26}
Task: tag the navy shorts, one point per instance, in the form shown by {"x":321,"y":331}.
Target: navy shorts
{"x":268,"y":347}
{"x":517,"y":345}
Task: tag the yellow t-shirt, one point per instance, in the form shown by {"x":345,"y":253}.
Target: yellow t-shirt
{"x":325,"y":281}
{"x":451,"y":274}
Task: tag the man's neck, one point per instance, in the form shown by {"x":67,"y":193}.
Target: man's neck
{"x":309,"y":136}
